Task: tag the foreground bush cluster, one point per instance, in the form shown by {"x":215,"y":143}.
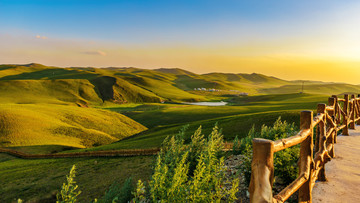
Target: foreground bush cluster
{"x":285,"y":161}
{"x":195,"y":172}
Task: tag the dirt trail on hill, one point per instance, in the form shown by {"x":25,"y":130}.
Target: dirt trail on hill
{"x":343,"y":172}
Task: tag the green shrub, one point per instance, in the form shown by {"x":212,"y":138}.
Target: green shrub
{"x":285,"y":161}
{"x":139,"y":194}
{"x":236,"y":146}
{"x":191,"y":173}
{"x":68,"y":193}
{"x":117,"y":193}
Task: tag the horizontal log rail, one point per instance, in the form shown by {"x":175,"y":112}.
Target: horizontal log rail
{"x":338,"y":114}
{"x":110,"y":153}
{"x":228,"y":146}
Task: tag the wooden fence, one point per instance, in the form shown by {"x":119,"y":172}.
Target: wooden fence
{"x":110,"y":153}
{"x":339,"y":114}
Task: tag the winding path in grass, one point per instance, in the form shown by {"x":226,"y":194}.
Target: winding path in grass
{"x":342,"y":172}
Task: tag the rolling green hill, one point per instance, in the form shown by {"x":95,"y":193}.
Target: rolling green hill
{"x":234,"y":119}
{"x":50,"y":124}
{"x":38,"y":101}
{"x":48,"y":84}
{"x":322,"y":88}
{"x":94,"y":86}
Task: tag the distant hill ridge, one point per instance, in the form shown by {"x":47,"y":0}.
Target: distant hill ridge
{"x":88,"y":85}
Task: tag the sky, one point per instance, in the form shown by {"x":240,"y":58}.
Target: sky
{"x":308,"y":40}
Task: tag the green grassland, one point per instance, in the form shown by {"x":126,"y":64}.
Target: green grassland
{"x":36,"y":180}
{"x":235,"y":119}
{"x":93,"y":86}
{"x":52,"y":110}
{"x":96,"y":174}
{"x":51,"y":124}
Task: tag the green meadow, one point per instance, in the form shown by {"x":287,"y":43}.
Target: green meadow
{"x":38,"y":180}
{"x":53,"y":110}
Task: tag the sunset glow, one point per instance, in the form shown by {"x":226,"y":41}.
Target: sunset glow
{"x":309,"y":40}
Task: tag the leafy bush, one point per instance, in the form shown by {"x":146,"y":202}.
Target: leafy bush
{"x":68,"y":193}
{"x":285,"y":161}
{"x":139,"y":194}
{"x":191,"y":173}
{"x":117,"y":193}
{"x":236,"y":146}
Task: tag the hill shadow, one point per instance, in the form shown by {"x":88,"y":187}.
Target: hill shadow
{"x":104,"y":87}
{"x":56,"y":73}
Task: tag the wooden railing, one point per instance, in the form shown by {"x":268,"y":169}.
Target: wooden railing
{"x":110,"y":153}
{"x":328,"y":121}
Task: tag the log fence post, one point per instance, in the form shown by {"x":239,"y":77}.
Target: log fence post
{"x":262,"y":171}
{"x":352,"y":111}
{"x":358,"y":107}
{"x":336,"y":115}
{"x":337,"y":111}
{"x":306,"y":156}
{"x":332,"y":139}
{"x":321,"y":109}
{"x":345,"y":117}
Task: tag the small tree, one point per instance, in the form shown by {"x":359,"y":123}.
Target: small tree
{"x":139,"y":194}
{"x":68,"y":193}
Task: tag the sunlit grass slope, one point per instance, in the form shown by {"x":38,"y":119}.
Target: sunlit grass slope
{"x":162,"y":84}
{"x":36,"y":124}
{"x":36,"y":83}
{"x":322,"y":88}
{"x":48,"y":91}
{"x":92,"y":86}
{"x":235,"y":119}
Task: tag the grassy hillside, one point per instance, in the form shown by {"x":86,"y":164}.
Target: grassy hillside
{"x":61,"y":91}
{"x":49,"y":124}
{"x":36,"y":180}
{"x":41,"y":84}
{"x":93,"y":86}
{"x":322,"y":88}
{"x":235,"y":119}
{"x":38,"y":95}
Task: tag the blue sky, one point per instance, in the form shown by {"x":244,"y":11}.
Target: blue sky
{"x":124,"y":20}
{"x":198,"y":35}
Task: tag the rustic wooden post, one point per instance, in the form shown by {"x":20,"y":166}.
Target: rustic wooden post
{"x":320,"y":110}
{"x":262,"y":171}
{"x":322,"y":132}
{"x":332,"y":138}
{"x":306,"y":156}
{"x":345,"y":118}
{"x":337,"y":110}
{"x":358,"y":107}
{"x":336,"y":115}
{"x":352,"y":111}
